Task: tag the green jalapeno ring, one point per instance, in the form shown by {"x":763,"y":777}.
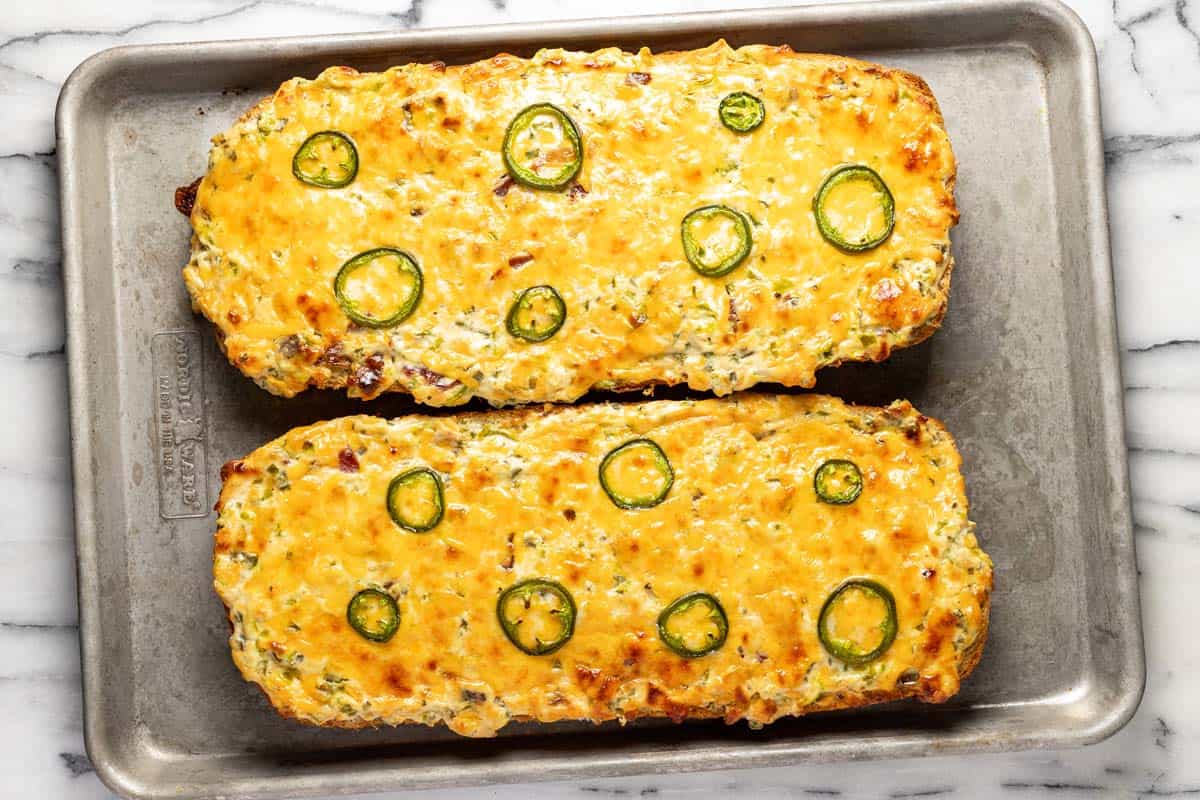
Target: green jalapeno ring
{"x":843,"y":651}
{"x":661,"y":463}
{"x":356,"y":611}
{"x":525,"y":589}
{"x":526,"y":176}
{"x":838,"y":469}
{"x":322,"y":179}
{"x":534,"y":333}
{"x":695,"y":252}
{"x":683,"y":604}
{"x":407,"y":478}
{"x":840,"y":175}
{"x":741,"y":112}
{"x":350,"y":308}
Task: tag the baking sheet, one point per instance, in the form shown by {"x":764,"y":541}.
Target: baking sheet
{"x":1024,"y":373}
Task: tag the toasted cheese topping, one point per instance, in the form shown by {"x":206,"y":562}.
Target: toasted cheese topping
{"x":431,"y":181}
{"x":304,"y":527}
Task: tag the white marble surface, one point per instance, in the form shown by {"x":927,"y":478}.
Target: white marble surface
{"x":1150,"y":74}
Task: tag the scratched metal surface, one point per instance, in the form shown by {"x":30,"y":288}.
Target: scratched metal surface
{"x":1024,"y":373}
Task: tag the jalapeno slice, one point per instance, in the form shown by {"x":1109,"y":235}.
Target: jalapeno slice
{"x":858,"y":622}
{"x":636,"y":475}
{"x":536,"y":314}
{"x":537,"y":615}
{"x":741,"y":112}
{"x":379,"y":288}
{"x":716,"y":239}
{"x":542,"y":148}
{"x":328,"y":160}
{"x":415,"y":500}
{"x":693,"y":625}
{"x":838,"y":482}
{"x":854,"y":208}
{"x":373,"y":614}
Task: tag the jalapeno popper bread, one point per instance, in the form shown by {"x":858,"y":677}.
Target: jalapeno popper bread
{"x":526,"y":229}
{"x":746,"y":558}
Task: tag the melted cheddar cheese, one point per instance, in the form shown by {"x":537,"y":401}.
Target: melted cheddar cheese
{"x":304,"y":526}
{"x":431,"y":182}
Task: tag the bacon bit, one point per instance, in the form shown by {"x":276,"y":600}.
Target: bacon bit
{"x":185,"y":197}
{"x":347,"y":461}
{"x":334,"y":357}
{"x":416,"y":211}
{"x":278,"y":649}
{"x":437,"y":66}
{"x":637,"y":79}
{"x":520,"y":260}
{"x":637,"y":320}
{"x":367,"y":376}
{"x":885,"y":290}
{"x":553,"y":62}
{"x":735,"y":319}
{"x":586,"y":674}
{"x":576,"y":191}
{"x":503,"y":186}
{"x":290,"y":346}
{"x":234,"y":317}
{"x":451,"y":123}
{"x":233,"y":467}
{"x":435,"y":379}
{"x":928,"y":573}
{"x":698,"y":569}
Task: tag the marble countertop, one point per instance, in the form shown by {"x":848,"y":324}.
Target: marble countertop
{"x":1149,"y":54}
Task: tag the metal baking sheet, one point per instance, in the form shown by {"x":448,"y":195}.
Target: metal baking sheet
{"x":1024,"y":373}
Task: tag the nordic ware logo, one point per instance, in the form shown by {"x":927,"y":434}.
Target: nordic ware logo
{"x":179,"y":421}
